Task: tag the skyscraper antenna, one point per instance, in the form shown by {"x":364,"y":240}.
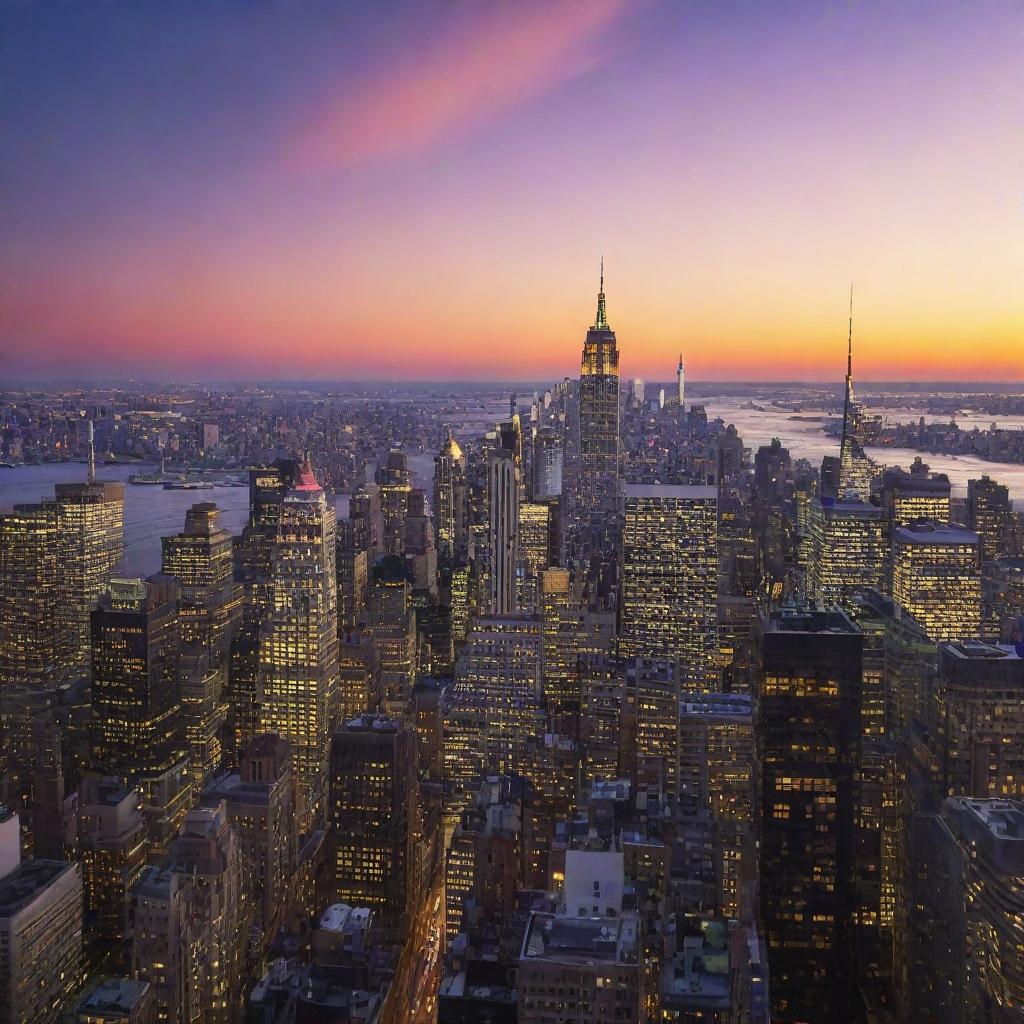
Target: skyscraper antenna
{"x":92,"y":456}
{"x":849,"y":338}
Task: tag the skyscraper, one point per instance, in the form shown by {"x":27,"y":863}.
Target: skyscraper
{"x":373,"y":775}
{"x":502,"y":529}
{"x":200,"y":558}
{"x":450,"y":498}
{"x":848,"y":548}
{"x":298,"y":648}
{"x":669,"y":590}
{"x":594,"y":501}
{"x":681,"y":384}
{"x":138,"y":727}
{"x":808,"y":733}
{"x":855,"y":468}
{"x":936,"y":577}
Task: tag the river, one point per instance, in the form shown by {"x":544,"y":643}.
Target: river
{"x":151,"y":512}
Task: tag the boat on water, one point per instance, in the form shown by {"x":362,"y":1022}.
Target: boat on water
{"x":152,"y":479}
{"x":188,"y":485}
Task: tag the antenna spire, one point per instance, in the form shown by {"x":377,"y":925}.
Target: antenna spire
{"x":92,"y":456}
{"x":601,"y":322}
{"x":849,"y":339}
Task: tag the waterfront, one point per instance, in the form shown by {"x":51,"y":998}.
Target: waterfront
{"x":152,"y":512}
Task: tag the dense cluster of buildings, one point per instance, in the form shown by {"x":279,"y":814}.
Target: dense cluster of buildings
{"x":612,"y":723}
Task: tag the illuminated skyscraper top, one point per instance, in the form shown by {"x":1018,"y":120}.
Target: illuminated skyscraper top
{"x":855,"y":468}
{"x":681,"y":382}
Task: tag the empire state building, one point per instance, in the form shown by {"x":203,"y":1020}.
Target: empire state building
{"x":596,"y":484}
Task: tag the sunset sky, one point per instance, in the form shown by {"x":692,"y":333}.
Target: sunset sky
{"x":424,"y":190}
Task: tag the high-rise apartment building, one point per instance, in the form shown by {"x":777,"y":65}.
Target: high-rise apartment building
{"x":936,"y":577}
{"x":669,"y":588}
{"x":808,"y":735}
{"x":298,"y":649}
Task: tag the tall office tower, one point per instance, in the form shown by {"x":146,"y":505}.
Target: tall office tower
{"x":92,"y":544}
{"x":855,"y":468}
{"x":716,"y":767}
{"x":637,"y":391}
{"x":653,"y":684}
{"x":260,"y":804}
{"x":848,"y":549}
{"x":395,"y":482}
{"x":502,"y":530}
{"x":112,"y":853}
{"x":915,"y":495}
{"x":138,"y":729}
{"x":546,"y":466}
{"x":373,"y":776}
{"x":463,"y":603}
{"x":359,"y":682}
{"x":298,"y":673}
{"x":534,"y":553}
{"x":966,"y":932}
{"x":368,"y":521}
{"x":353,"y":570}
{"x":419,"y":544}
{"x":669,"y":599}
{"x":390,"y":619}
{"x":494,"y":715}
{"x":33,"y":646}
{"x":595,"y":477}
{"x":40,"y":932}
{"x":978,"y":720}
{"x":210,"y":602}
{"x":603,"y":688}
{"x":681,"y":384}
{"x":808,"y":734}
{"x":450,"y":499}
{"x":936,"y":576}
{"x":1004,"y":598}
{"x":191,"y":919}
{"x":773,"y":468}
{"x":990,"y":514}
{"x":204,"y":714}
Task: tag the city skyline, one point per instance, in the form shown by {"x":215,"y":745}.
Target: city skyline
{"x":315,"y":194}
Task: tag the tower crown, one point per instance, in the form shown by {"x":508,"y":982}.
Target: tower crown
{"x":601,"y":321}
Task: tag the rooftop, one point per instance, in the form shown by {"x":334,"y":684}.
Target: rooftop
{"x":574,"y":940}
{"x":672,"y":492}
{"x":927,"y":531}
{"x":114,"y":995}
{"x":19,"y":887}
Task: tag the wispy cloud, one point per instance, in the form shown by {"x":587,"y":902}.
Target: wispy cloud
{"x":491,"y":58}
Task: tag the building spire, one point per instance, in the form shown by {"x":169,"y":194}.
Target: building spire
{"x":849,"y":340}
{"x":91,"y":476}
{"x":601,"y":323}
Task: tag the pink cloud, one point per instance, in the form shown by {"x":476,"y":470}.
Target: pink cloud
{"x":487,"y":62}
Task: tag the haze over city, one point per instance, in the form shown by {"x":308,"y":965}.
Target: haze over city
{"x":424,"y":191}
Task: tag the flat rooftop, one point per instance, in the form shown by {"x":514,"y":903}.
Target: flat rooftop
{"x":561,"y":938}
{"x":809,"y":620}
{"x":927,"y":531}
{"x":26,"y":881}
{"x":672,"y":492}
{"x":114,"y":995}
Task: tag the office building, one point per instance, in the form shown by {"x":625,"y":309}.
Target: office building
{"x":502,"y":530}
{"x":808,"y":731}
{"x":450,"y":492}
{"x":373,"y":779}
{"x":848,"y":549}
{"x":40,"y":933}
{"x":546,"y":466}
{"x":915,"y":495}
{"x":118,"y":1001}
{"x":138,"y":726}
{"x":298,"y":649}
{"x":936,"y":577}
{"x":669,"y":590}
